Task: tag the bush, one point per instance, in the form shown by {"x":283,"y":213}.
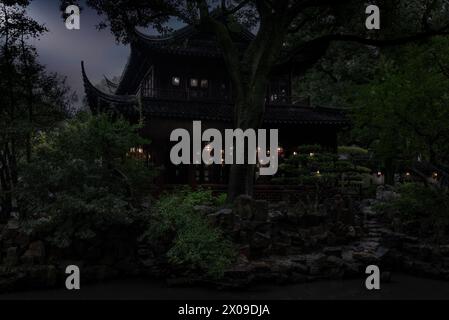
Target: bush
{"x":81,"y":184}
{"x":313,"y":166}
{"x":194,"y":242}
{"x":423,"y":206}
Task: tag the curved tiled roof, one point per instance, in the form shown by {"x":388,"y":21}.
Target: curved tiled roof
{"x":100,"y":101}
{"x":203,"y":110}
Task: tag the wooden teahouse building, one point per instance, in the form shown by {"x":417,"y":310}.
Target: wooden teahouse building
{"x":169,"y":82}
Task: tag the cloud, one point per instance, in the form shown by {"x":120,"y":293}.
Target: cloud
{"x":62,"y":50}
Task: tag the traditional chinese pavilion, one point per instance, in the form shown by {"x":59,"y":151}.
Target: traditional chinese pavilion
{"x":171,"y":81}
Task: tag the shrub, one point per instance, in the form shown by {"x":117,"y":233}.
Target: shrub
{"x":195,"y":243}
{"x":426,"y":205}
{"x":316,"y":167}
{"x":82,"y":181}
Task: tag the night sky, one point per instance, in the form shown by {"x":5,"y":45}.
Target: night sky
{"x":62,"y":50}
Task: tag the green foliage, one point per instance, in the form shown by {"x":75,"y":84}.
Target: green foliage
{"x":196,"y":244}
{"x":32,"y":100}
{"x":314,"y":166}
{"x":403,"y":112}
{"x":82,"y":181}
{"x":330,"y":81}
{"x":352,"y":150}
{"x":427,"y":206}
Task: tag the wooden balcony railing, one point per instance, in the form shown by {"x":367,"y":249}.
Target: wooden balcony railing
{"x":208,"y":95}
{"x":186,"y":94}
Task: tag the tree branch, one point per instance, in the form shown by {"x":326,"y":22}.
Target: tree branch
{"x":230,"y":51}
{"x":312,"y":50}
{"x":234,"y":9}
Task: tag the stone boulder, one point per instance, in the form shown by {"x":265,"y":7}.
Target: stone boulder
{"x":35,"y":253}
{"x":260,"y":242}
{"x":243,"y":207}
{"x":386,"y":193}
{"x":276,"y":216}
{"x":204,"y":210}
{"x":223,"y":218}
{"x":260,"y":210}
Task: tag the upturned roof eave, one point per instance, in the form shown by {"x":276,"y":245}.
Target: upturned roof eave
{"x":93,"y":91}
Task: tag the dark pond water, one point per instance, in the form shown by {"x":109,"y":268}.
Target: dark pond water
{"x":401,"y":287}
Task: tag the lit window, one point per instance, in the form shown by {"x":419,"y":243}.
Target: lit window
{"x":194,"y":83}
{"x":176,"y":81}
{"x":204,"y":84}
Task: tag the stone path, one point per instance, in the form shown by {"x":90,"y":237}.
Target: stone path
{"x":369,"y":248}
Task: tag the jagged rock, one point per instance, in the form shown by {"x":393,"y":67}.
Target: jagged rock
{"x":333,"y":251}
{"x":365,"y":257}
{"x":223,"y":217}
{"x":299,"y":278}
{"x":368,"y":212}
{"x":316,"y":263}
{"x":421,"y":251}
{"x":396,"y":239}
{"x":13,"y":224}
{"x":144,"y":252}
{"x":260,"y":210}
{"x":148,"y":262}
{"x":22,"y":240}
{"x":281,"y":206}
{"x":385,"y":193}
{"x":35,"y":253}
{"x":204,"y":210}
{"x":45,"y":276}
{"x":334,"y":262}
{"x":292,"y":218}
{"x":275,"y":216}
{"x":245,"y":250}
{"x":261,"y":266}
{"x":321,"y":238}
{"x":298,"y":267}
{"x":12,"y":257}
{"x":351,"y":233}
{"x":280,"y":248}
{"x":243,"y":207}
{"x":444,"y":250}
{"x":315,"y":218}
{"x":368,"y":203}
{"x":11,"y":229}
{"x":260,"y":241}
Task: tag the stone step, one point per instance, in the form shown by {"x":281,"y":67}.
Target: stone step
{"x":373,"y":239}
{"x":374,"y":234}
{"x":369,"y":225}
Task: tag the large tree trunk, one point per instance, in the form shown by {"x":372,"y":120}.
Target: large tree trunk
{"x":248,"y":115}
{"x":7,"y":182}
{"x":389,"y":171}
{"x":241,"y":181}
